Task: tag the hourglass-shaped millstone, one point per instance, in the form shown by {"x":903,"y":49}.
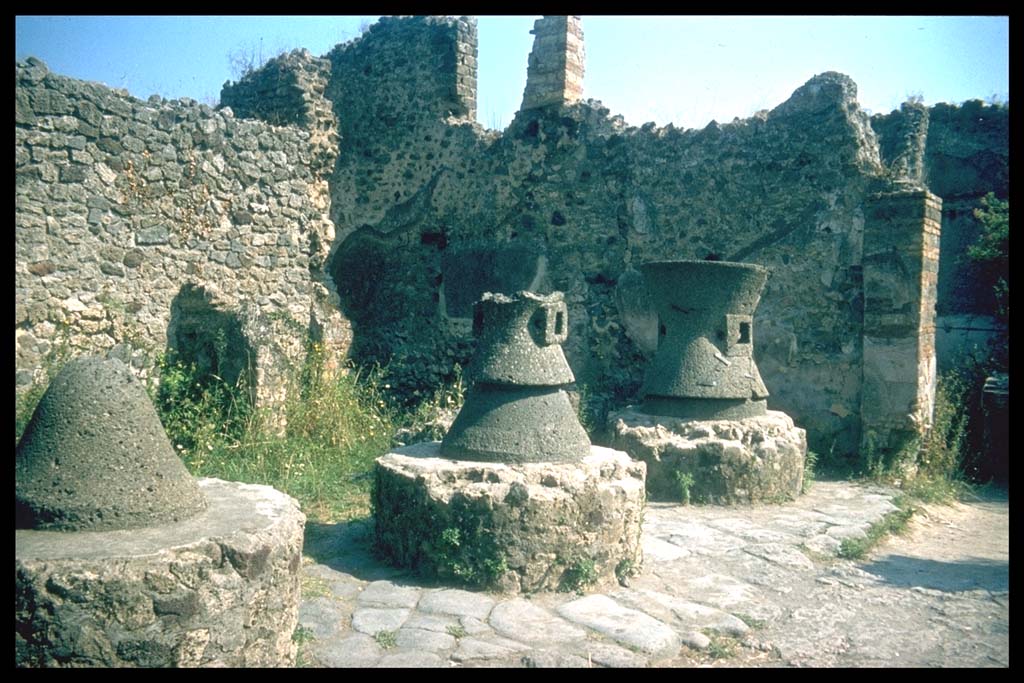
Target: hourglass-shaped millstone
{"x":517,"y":410}
{"x":95,"y":457}
{"x":704,"y":367}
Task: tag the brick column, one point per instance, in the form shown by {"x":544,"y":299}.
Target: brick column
{"x":901,"y":263}
{"x":555,"y":72}
{"x":466,"y":67}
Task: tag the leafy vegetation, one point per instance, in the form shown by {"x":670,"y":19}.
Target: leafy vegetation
{"x":386,"y":639}
{"x":467,"y":552}
{"x":625,"y":569}
{"x":456,"y":631}
{"x":992,"y":250}
{"x":810,"y":463}
{"x":581,"y":573}
{"x":893,"y":523}
{"x":721,"y":647}
{"x":684,"y":483}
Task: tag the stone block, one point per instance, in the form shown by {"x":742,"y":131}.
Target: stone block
{"x":524,"y":527}
{"x":220,"y":589}
{"x":755,"y":459}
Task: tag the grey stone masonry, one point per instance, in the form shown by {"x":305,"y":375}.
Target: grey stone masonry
{"x":122,"y":204}
{"x":555,"y":72}
{"x":727,"y":462}
{"x":290,"y":90}
{"x":517,"y":527}
{"x":759,"y":584}
{"x":218,"y":590}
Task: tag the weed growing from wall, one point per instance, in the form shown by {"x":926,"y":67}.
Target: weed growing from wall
{"x":810,"y":462}
{"x":579,"y":575}
{"x":453,"y":543}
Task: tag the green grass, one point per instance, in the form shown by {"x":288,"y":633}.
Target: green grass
{"x":336,"y":425}
{"x":893,"y":523}
{"x":456,"y":631}
{"x":720,"y":647}
{"x":315,"y":587}
{"x":935,"y":466}
{"x":753,"y":622}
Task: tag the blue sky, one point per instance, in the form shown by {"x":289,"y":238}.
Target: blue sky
{"x":683,"y":70}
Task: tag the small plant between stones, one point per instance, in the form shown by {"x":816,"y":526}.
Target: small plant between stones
{"x":386,"y":639}
{"x":809,"y":463}
{"x":581,"y":573}
{"x":720,"y":647}
{"x":893,"y":523}
{"x":302,"y":635}
{"x":684,"y":483}
{"x":753,"y":622}
{"x":456,"y":631}
{"x":315,"y":587}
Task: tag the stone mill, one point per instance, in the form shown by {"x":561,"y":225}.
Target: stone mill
{"x":515,"y":497}
{"x":704,"y":428}
{"x":518,"y":409}
{"x":123,"y":559}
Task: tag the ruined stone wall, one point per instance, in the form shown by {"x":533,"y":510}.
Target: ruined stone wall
{"x":122,"y":203}
{"x":146,"y":224}
{"x":964,"y":155}
{"x":571,"y":199}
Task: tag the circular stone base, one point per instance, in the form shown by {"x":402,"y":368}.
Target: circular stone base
{"x":756,"y":459}
{"x":218,"y":589}
{"x":522,"y":527}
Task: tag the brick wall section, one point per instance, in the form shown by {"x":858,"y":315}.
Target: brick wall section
{"x":123,"y":206}
{"x":901,"y":261}
{"x":554,"y":74}
{"x":964,"y":154}
{"x":466,"y":67}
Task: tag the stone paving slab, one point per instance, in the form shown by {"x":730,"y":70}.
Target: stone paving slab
{"x":629,"y":627}
{"x":519,"y":619}
{"x":709,"y":573}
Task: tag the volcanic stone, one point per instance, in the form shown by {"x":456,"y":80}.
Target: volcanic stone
{"x":220,"y":589}
{"x":726,"y":461}
{"x":513,"y":527}
{"x":516,"y":424}
{"x":517,"y":411}
{"x":704,"y":368}
{"x":95,"y":456}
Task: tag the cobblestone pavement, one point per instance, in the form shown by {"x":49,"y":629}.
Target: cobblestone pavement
{"x":720,"y":586}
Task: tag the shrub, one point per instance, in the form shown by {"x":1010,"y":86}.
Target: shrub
{"x":992,"y":250}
